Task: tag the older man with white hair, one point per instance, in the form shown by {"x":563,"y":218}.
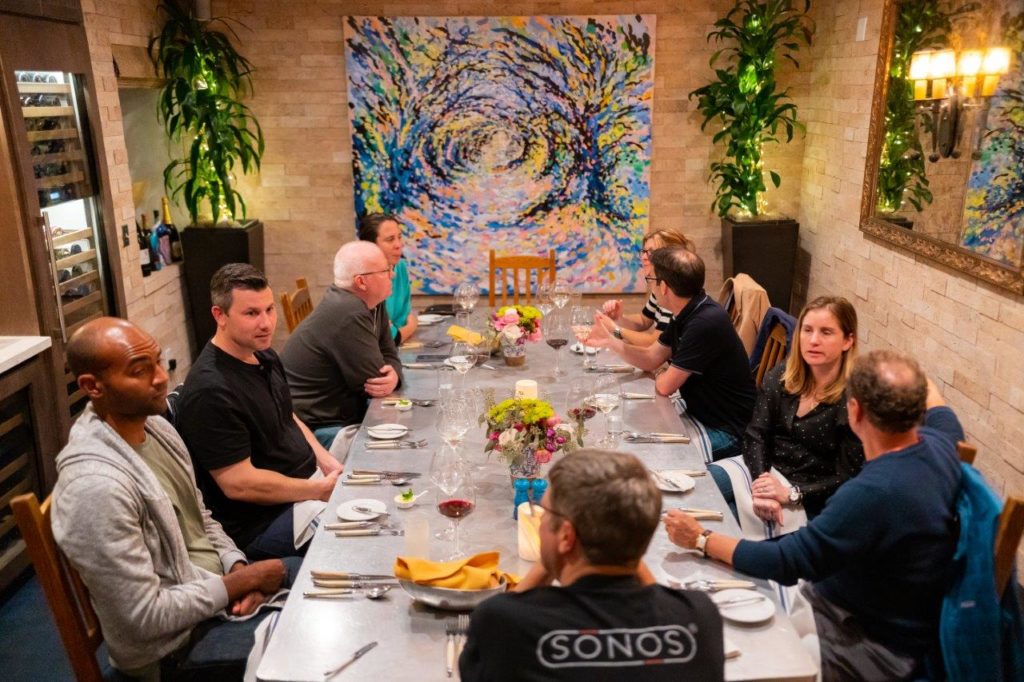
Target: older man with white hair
{"x":343,"y":353}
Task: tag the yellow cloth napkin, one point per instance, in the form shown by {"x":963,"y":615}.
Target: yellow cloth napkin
{"x":462,"y":334}
{"x":477,"y":572}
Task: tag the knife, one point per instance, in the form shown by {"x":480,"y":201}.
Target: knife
{"x":361,"y":481}
{"x":385,"y":473}
{"x":348,"y":584}
{"x":420,"y":365}
{"x":349,"y":525}
{"x":343,"y":575}
{"x":331,"y":673}
{"x":637,"y":396}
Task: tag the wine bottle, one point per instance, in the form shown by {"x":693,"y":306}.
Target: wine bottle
{"x":175,"y":237}
{"x":144,"y":259}
{"x":163,"y":238}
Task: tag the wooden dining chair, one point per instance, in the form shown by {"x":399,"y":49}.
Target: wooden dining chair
{"x":67,"y":595}
{"x":296,"y":305}
{"x":967,"y":452}
{"x":532,"y":269}
{"x":774,"y":351}
{"x":1011,"y":527}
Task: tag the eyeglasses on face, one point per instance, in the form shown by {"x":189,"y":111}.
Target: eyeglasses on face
{"x":652,"y":279}
{"x":646,"y":252}
{"x":390,"y":271}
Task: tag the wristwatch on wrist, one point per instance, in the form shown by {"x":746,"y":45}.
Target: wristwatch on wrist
{"x":702,"y":542}
{"x":617,"y":332}
{"x":795,"y":496}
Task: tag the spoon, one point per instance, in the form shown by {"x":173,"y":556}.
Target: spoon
{"x":399,"y":481}
{"x":377,"y":592}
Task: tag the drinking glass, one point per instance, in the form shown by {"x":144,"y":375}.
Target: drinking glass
{"x":556,"y":335}
{"x":606,"y":397}
{"x":466,"y":295}
{"x":462,"y":358}
{"x":456,"y":497}
{"x":580,"y":390}
{"x":560,"y":293}
{"x":446,"y":469}
{"x":545,"y":300}
{"x":582,"y":323}
{"x":455,"y":418}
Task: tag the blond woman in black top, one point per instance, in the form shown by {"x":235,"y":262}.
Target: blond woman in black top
{"x":799,"y":428}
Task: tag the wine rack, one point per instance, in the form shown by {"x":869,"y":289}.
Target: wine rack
{"x":17,"y":476}
{"x":56,"y":126}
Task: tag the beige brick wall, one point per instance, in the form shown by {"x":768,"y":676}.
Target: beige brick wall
{"x":968,"y":335}
{"x":155,"y":303}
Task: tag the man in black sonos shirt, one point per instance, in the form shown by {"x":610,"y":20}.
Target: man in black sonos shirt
{"x":607,"y":620}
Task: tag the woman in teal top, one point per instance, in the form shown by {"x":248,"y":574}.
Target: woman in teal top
{"x":383,"y":230}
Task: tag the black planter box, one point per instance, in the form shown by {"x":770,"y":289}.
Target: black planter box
{"x":765,"y":250}
{"x":207,"y":249}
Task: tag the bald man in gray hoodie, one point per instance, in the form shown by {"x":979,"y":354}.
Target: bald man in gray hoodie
{"x":128,"y":515}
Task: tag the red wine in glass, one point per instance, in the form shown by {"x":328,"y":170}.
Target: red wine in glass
{"x":557,"y":343}
{"x":455,"y":509}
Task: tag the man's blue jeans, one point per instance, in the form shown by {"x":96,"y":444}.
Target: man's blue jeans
{"x":277,"y":541}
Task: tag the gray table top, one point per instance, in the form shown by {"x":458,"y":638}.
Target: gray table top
{"x":315,"y":635}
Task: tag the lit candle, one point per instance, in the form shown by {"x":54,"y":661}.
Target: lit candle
{"x":526,"y":388}
{"x":529,"y":519}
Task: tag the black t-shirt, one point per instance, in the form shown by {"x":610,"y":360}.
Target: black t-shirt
{"x":720,"y":392}
{"x":229,"y":411}
{"x":597,"y":628}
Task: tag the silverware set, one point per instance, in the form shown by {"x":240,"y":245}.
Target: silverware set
{"x":711,"y":585}
{"x":335,"y":585}
{"x":638,"y":437}
{"x":611,"y":369}
{"x":625,"y":395}
{"x":455,"y":632}
{"x":384,"y":473}
{"x":396,"y":444}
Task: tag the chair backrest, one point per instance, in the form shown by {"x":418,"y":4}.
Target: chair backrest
{"x":524,"y":270}
{"x":1011,"y":526}
{"x":966,"y":451}
{"x":173,"y":397}
{"x":774,"y":351}
{"x":297,"y":305}
{"x":68,"y":598}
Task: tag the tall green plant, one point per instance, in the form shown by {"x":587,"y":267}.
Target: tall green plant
{"x":201,"y":107}
{"x":920,"y":25}
{"x":746,"y":99}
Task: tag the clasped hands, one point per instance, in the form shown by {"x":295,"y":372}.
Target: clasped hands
{"x":769,"y":495}
{"x":383,"y":385}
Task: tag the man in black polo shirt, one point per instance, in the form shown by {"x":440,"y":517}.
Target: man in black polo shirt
{"x":252,"y":455}
{"x":607,"y":619}
{"x":707,"y":362}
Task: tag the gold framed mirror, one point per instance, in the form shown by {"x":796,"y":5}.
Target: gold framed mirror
{"x":943,"y":174}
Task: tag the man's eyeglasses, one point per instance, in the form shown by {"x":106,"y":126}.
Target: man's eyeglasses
{"x":549,"y":510}
{"x":652,"y":279}
{"x":390,"y":271}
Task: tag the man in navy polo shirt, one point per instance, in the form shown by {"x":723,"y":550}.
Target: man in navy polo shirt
{"x":707,"y":363}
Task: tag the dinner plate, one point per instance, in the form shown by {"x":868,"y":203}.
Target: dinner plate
{"x":387,"y":431}
{"x":347,"y":513}
{"x":578,"y":349}
{"x":682,"y":482}
{"x":754,"y":612}
{"x":429,"y":319}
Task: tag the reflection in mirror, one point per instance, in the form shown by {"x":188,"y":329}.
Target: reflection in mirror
{"x":948,"y":139}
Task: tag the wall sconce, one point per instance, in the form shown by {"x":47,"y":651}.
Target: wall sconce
{"x":947,"y":85}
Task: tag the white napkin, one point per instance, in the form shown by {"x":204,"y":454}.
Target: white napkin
{"x":306,"y":516}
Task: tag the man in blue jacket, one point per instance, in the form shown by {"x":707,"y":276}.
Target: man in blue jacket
{"x":876,"y":558}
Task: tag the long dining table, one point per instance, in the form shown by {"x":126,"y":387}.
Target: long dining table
{"x":314,"y":635}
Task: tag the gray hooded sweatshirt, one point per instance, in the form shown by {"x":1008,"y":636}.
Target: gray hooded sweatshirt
{"x":117,"y":526}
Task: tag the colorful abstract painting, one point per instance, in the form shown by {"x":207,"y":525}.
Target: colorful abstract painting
{"x":517,"y":134}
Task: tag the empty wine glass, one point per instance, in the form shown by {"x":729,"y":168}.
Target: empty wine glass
{"x":545,"y":300}
{"x":466,"y":295}
{"x":606,"y":397}
{"x":556,"y":335}
{"x":582,"y":323}
{"x":455,"y":418}
{"x":462,"y":358}
{"x":560,"y":293}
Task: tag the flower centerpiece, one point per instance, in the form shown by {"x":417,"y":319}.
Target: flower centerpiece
{"x":526,"y":433}
{"x":513,"y":326}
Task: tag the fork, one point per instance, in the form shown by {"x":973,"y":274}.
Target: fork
{"x":462,"y":629}
{"x":366,"y":510}
{"x":397,"y":444}
{"x":450,"y":630}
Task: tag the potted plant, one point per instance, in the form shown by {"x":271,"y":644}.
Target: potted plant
{"x":201,"y":108}
{"x":514,"y":325}
{"x":752,"y":110}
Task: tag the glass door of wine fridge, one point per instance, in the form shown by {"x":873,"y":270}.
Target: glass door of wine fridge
{"x":56,"y":126}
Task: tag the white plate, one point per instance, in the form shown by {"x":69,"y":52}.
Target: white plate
{"x":683,"y":483}
{"x":578,"y":349}
{"x":347,"y":513}
{"x":387,"y":431}
{"x":429,"y":319}
{"x":753,"y":612}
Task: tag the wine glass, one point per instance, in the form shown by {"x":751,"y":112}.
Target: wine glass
{"x":576,"y":404}
{"x":456,"y":497}
{"x":454,"y":419}
{"x":556,"y":335}
{"x":606,"y":397}
{"x":462,"y":358}
{"x":545,"y":300}
{"x":560,"y":293}
{"x":582,"y":323}
{"x":466,"y":295}
{"x":445,"y":471}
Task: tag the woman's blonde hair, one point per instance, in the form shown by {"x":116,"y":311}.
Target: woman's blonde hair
{"x":671,"y":238}
{"x":797,"y":379}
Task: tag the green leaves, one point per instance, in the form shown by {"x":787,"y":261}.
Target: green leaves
{"x":201,"y":107}
{"x":744,"y":98}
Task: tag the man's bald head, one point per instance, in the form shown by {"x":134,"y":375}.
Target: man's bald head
{"x":94,"y":347}
{"x":891,"y":388}
{"x":354,"y":258}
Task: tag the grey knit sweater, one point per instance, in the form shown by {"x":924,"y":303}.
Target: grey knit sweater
{"x":117,"y":526}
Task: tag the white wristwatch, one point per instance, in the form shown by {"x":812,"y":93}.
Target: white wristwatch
{"x":702,"y":542}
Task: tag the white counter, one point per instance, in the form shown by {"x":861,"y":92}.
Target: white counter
{"x":15,"y":350}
